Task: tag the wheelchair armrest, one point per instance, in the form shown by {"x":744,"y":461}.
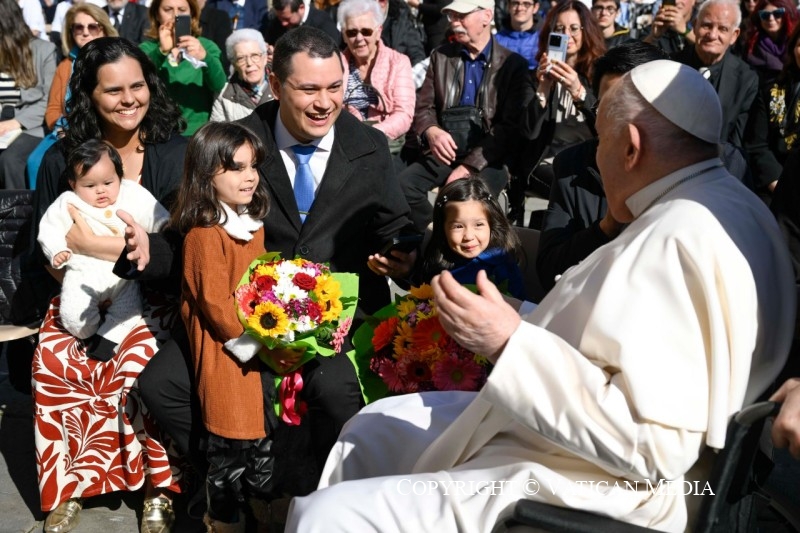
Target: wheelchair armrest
{"x":544,"y":517}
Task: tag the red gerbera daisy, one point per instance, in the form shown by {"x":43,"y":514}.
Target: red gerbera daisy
{"x":384,"y":333}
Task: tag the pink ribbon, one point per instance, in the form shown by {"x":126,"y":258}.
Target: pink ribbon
{"x":292,"y":407}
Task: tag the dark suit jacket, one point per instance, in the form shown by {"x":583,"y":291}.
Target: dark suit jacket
{"x":134,"y":22}
{"x":254,"y":14}
{"x":359,"y":204}
{"x":737,"y":87}
{"x":216,"y":25}
{"x":316,"y":19}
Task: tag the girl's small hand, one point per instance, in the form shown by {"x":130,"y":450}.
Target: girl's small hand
{"x":166,"y":39}
{"x":397,"y":265}
{"x":192,"y":46}
{"x":284,"y":359}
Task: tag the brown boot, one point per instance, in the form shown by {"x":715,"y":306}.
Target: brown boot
{"x":215,"y":526}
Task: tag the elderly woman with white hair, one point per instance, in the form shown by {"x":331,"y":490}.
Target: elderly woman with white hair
{"x":380,"y":86}
{"x":248,"y":86}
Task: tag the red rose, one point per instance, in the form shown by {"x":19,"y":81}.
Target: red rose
{"x":304,"y":281}
{"x":265,"y":283}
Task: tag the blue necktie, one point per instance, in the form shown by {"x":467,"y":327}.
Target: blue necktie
{"x":303,"y":179}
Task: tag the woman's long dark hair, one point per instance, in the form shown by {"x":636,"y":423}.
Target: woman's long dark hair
{"x":211,"y":151}
{"x":163,"y":118}
{"x":16,"y":57}
{"x":754,"y":29}
{"x":593,"y":45}
{"x":438,"y":255}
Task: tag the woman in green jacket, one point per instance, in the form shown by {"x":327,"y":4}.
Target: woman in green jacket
{"x":189,"y":64}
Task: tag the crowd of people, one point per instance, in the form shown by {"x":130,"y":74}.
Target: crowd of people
{"x":171,"y":142}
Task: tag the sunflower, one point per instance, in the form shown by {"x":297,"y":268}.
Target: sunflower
{"x":269,"y":320}
{"x":264,"y":269}
{"x":423,"y":292}
{"x":331,"y":310}
{"x":403,"y":338}
{"x":405,"y":307}
{"x":327,"y":288}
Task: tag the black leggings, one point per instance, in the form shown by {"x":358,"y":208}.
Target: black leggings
{"x":331,"y":390}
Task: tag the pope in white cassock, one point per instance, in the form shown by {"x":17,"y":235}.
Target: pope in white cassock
{"x":626,"y":372}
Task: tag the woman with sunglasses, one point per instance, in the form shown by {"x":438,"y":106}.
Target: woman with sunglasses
{"x":774,"y":125}
{"x":83,"y":23}
{"x":189,"y":65}
{"x":27,"y":65}
{"x":557,"y":116}
{"x":248,"y":86}
{"x":766,"y":49}
{"x":379,"y":83}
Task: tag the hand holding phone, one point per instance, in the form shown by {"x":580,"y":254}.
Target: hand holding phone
{"x":402,"y":243}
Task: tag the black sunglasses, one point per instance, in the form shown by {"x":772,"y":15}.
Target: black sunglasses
{"x":366,"y":32}
{"x":777,"y":13}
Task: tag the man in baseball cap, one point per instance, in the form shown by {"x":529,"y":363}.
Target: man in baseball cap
{"x":467,"y":110}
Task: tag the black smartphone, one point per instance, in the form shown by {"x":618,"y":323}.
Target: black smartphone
{"x":183,"y":26}
{"x":668,"y":2}
{"x":403,"y":243}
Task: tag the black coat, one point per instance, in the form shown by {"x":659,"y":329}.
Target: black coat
{"x":134,"y":23}
{"x":316,"y":19}
{"x":359,"y":205}
{"x":786,"y":207}
{"x":765,"y":144}
{"x":737,"y":87}
{"x":216,"y":26}
{"x":400,"y":32}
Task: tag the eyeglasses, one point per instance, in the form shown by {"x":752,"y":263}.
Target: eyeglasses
{"x":572,"y":30}
{"x":251,"y":58}
{"x":452,"y":16}
{"x":524,"y":5}
{"x":608,"y":9}
{"x":777,"y":13}
{"x":352,"y":33}
{"x":94,"y":29}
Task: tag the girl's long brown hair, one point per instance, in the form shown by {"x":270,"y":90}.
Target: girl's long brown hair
{"x":210,"y":151}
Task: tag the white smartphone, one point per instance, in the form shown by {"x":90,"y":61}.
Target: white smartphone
{"x":557,"y":46}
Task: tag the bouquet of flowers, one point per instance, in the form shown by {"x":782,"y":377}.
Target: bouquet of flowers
{"x":298,"y":305}
{"x":403,"y":348}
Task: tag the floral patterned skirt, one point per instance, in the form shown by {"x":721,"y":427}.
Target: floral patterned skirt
{"x":93,"y":434}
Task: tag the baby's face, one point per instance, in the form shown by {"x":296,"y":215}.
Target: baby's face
{"x":99,"y":187}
